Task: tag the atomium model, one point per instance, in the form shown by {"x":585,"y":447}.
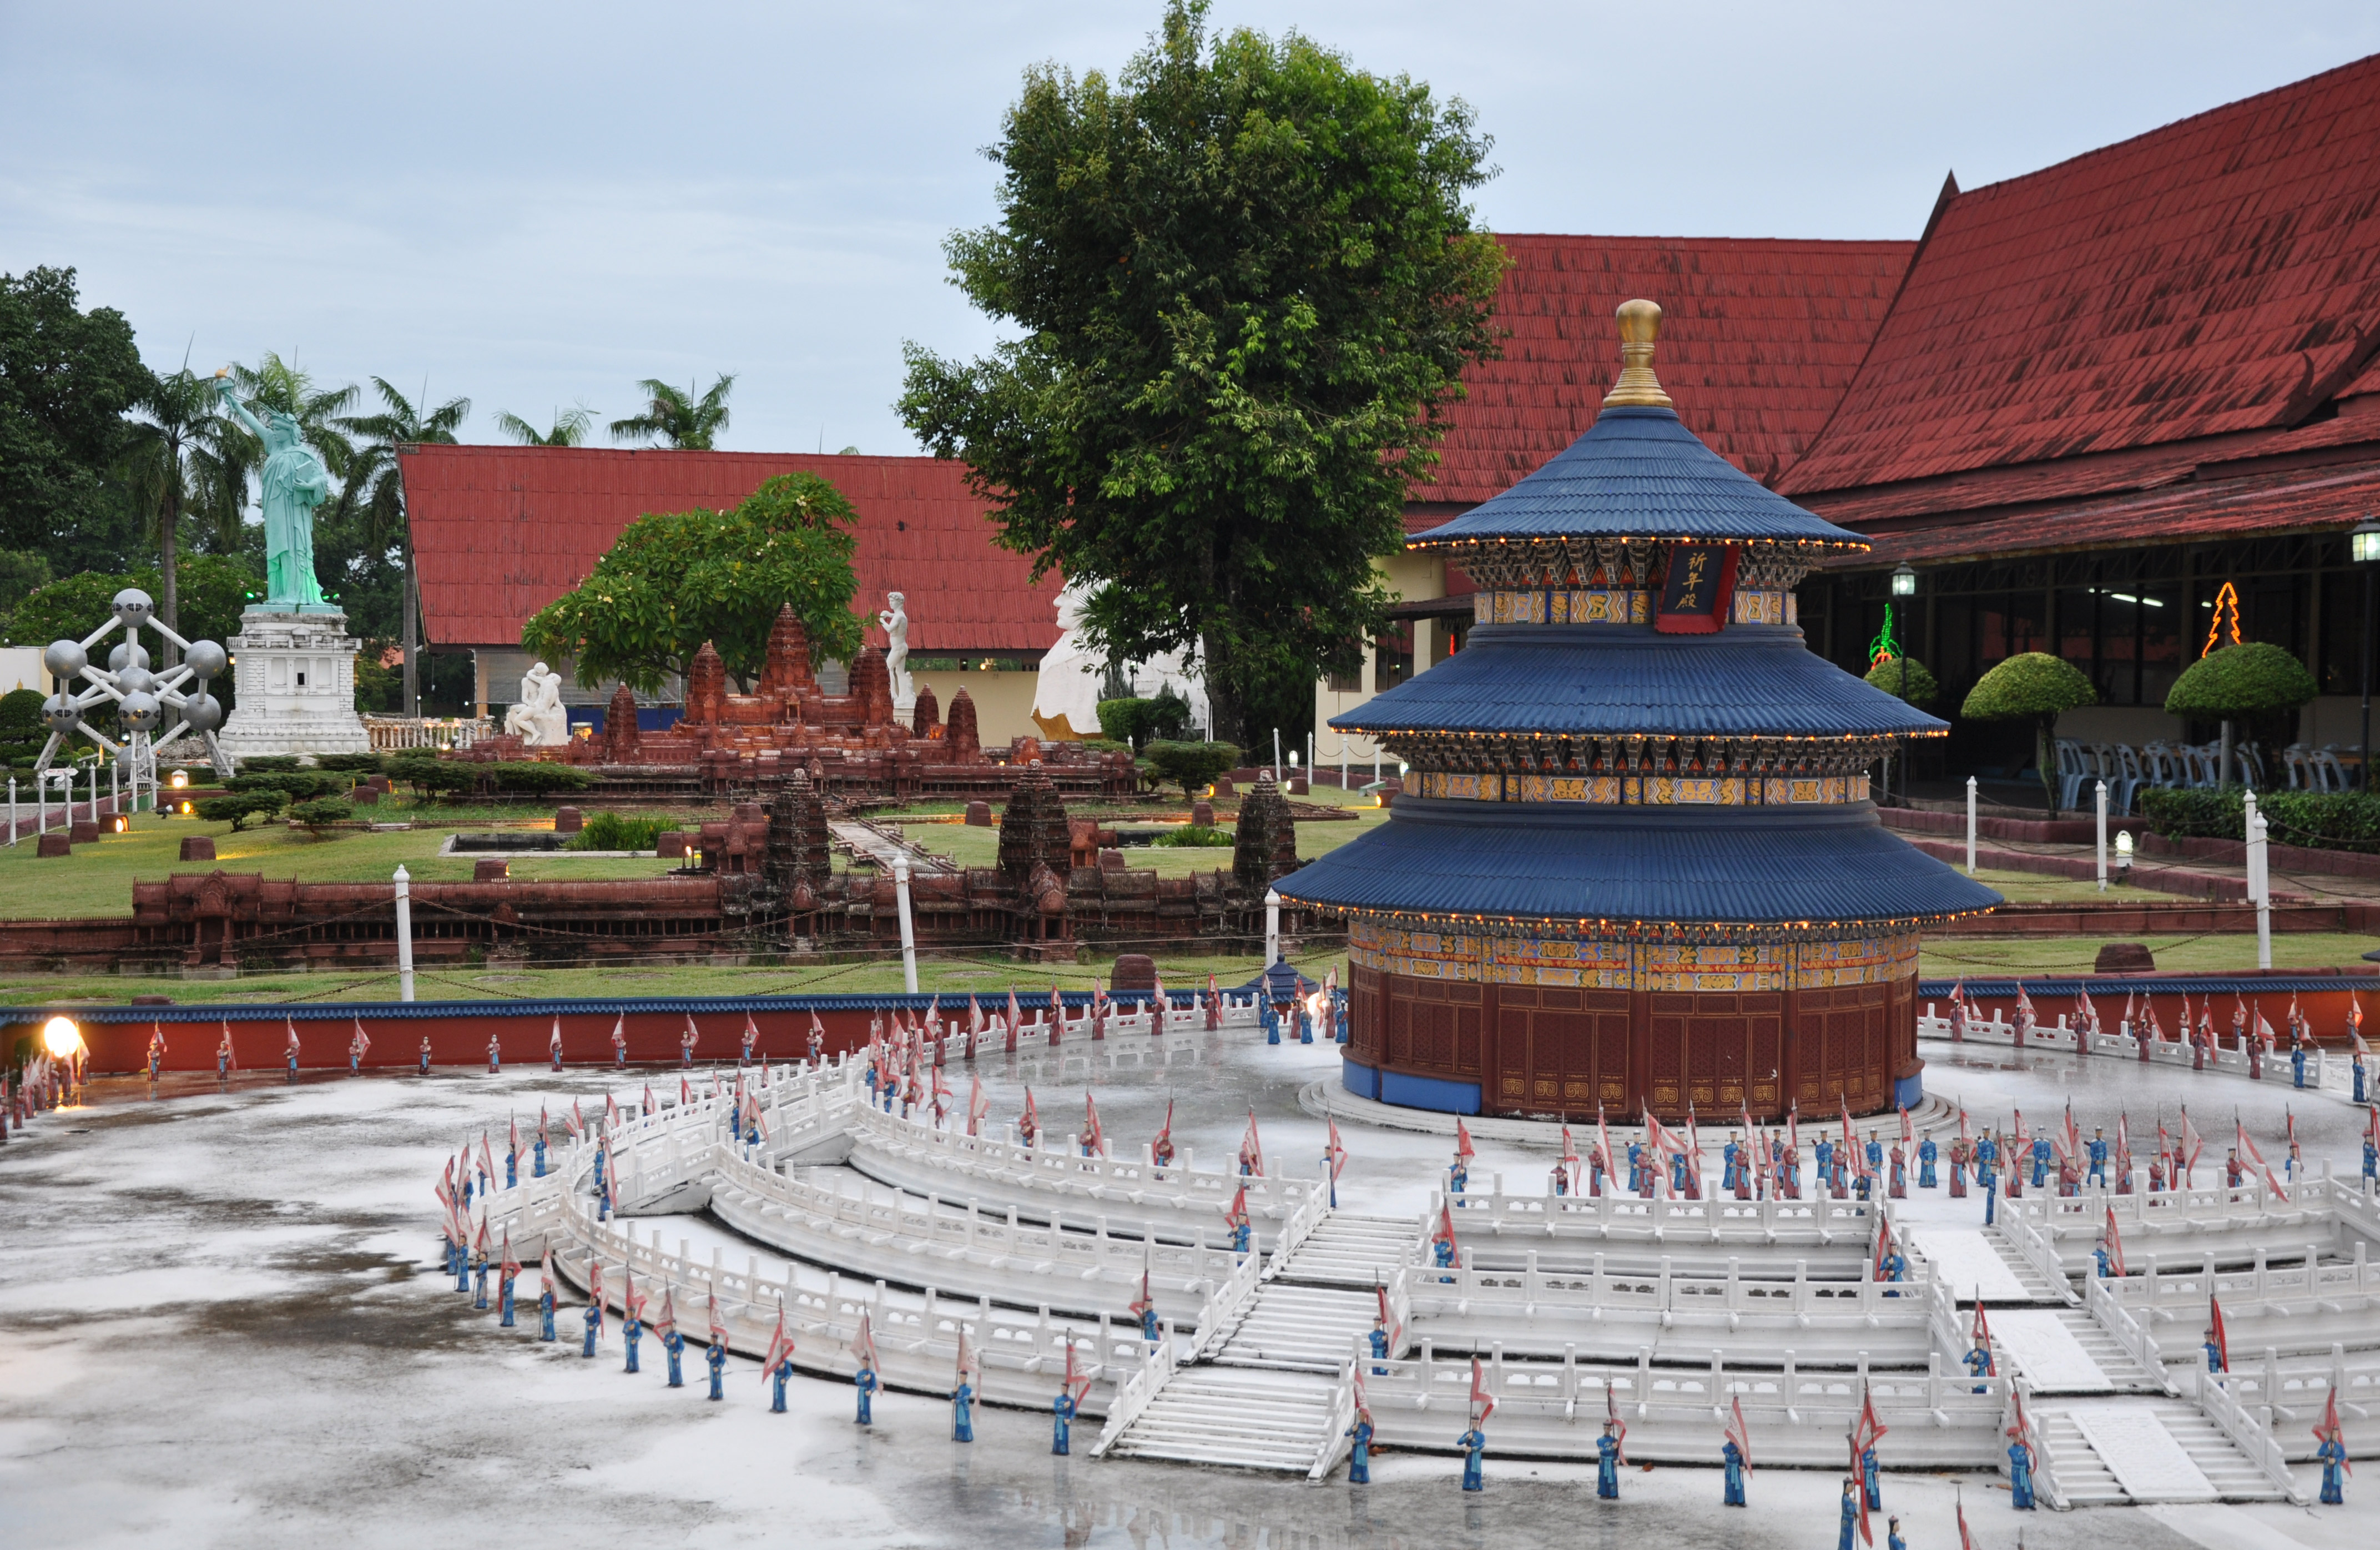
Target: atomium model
{"x":144,"y":698}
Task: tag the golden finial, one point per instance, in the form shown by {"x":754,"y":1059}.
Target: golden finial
{"x":1640,"y":324}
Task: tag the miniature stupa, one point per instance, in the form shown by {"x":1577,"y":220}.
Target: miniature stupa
{"x":1635,"y":865}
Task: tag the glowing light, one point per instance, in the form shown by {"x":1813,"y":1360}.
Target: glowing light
{"x":119,"y":823}
{"x":179,"y":779}
{"x":61,"y":1038}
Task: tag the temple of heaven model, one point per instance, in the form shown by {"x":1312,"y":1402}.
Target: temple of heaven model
{"x":1635,"y":865}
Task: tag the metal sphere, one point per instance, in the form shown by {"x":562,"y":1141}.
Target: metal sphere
{"x":206,"y":659}
{"x":60,"y":712}
{"x":132,"y":606}
{"x":136,"y":680}
{"x":65,"y":659}
{"x":127,"y":653}
{"x":203,"y":712}
{"x":138,"y":712}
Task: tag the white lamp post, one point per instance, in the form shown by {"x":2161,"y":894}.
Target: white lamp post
{"x":404,"y":934}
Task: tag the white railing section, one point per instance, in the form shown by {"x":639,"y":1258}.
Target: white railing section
{"x":1297,"y":1227}
{"x":2250,"y":1435}
{"x":2291,"y":1395}
{"x":2127,"y":1330}
{"x":1819,"y":1221}
{"x":1226,"y":1303}
{"x":1336,"y":1444}
{"x":1133,"y":1395}
{"x":2323,"y":1074}
{"x":2164,"y":1291}
{"x":388,"y":733}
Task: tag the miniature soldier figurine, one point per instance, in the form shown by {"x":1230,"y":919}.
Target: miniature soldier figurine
{"x":1850,"y":1515}
{"x":554,"y":1046}
{"x":619,"y":1046}
{"x":1380,"y":1342}
{"x":1926,"y":1154}
{"x":2371,"y":1152}
{"x":2291,"y":1163}
{"x":292,"y":1058}
{"x":1868,"y":1480}
{"x":593,"y":1327}
{"x":1559,"y":1179}
{"x":864,"y":1381}
{"x":2233,"y":1171}
{"x":1789,"y":1172}
{"x":785,"y":1370}
{"x":1874,"y":1153}
{"x":2213,"y":1349}
{"x":1895,"y":1266}
{"x":1961,"y":1154}
{"x":1359,"y":1462}
{"x":2070,"y":1178}
{"x":495,"y":1055}
{"x":1726,"y":1162}
{"x":2333,"y":1454}
{"x":1606,"y":1465}
{"x":632,"y":1329}
{"x":2097,"y":1146}
{"x":2297,"y":1062}
{"x":716,"y":1356}
{"x":1679,"y":1175}
{"x":1457,"y":1175}
{"x":2040,"y":1159}
{"x":1733,"y":1493}
{"x":2019,"y":1475}
{"x":1892,"y":1540}
{"x":1061,"y":1427}
{"x":1825,"y":1153}
{"x":2358,"y":1071}
{"x":424,"y":1067}
{"x":963,"y":1411}
{"x":510,"y":1272}
{"x":480,"y":1276}
{"x":685,"y":1047}
{"x":1861,"y":1185}
{"x":1979,"y":1364}
{"x":818,"y":1048}
{"x":223,"y":1056}
{"x":1242,"y":1235}
{"x":1473,"y":1444}
{"x":1636,"y":1166}
{"x":156,"y":1052}
{"x":2099,"y":1253}
{"x":545,"y":1313}
{"x":1899,"y":1187}
{"x":743,"y":1055}
{"x":2156,"y":1173}
{"x":1272,"y":1022}
{"x":673,"y":1346}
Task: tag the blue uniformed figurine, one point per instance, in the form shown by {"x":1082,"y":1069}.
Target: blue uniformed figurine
{"x":1305,"y":1024}
{"x":1926,"y":1154}
{"x":1979,"y":1364}
{"x":598,"y":1170}
{"x":2333,"y":1454}
{"x":1379,"y":1345}
{"x":293,"y":1065}
{"x":1874,"y":1153}
{"x":2371,"y":1157}
{"x":673,"y":1348}
{"x":512,"y":1168}
{"x":505,"y":1300}
{"x":963,"y":1412}
{"x":2040,"y":1161}
{"x":1677,"y":1174}
{"x":425,"y":1054}
{"x":1442,"y":1250}
{"x":545,"y":1315}
{"x":1734,"y":1457}
{"x":1991,"y":1192}
{"x":864,"y":1382}
{"x":2097,"y":1147}
{"x":1850,"y":1515}
{"x":1726,"y":1162}
{"x":632,"y":1328}
{"x":1473,"y":1444}
{"x":716,"y":1356}
{"x":2106,"y":1264}
{"x":2019,"y":1475}
{"x":538,"y":1148}
{"x":462,"y":1268}
{"x":1606,"y":1465}
{"x":1561,"y":1178}
{"x":1825,"y":1153}
{"x":2296,"y":1064}
{"x":1062,"y":1409}
{"x":783,"y":1370}
{"x":594,"y":1326}
{"x":1635,"y":1167}
{"x":2360,"y":1088}
{"x":1149,"y":1331}
{"x":1457,"y":1177}
{"x":1359,"y":1462}
{"x":1272,"y":1022}
{"x":1892,"y":1540}
{"x":1868,"y":1480}
{"x":1895,"y":1268}
{"x":2215,"y":1363}
{"x":480,"y":1281}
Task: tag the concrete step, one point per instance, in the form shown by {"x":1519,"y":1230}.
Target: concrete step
{"x":2234,"y":1475}
{"x":1244,"y":1418}
{"x":2082,"y":1479}
{"x":1346,"y":1249}
{"x":2124,"y":1374}
{"x":2086,"y":1480}
{"x":1302,"y":1327}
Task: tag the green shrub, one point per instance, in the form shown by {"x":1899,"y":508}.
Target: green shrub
{"x":239,"y":807}
{"x":2035,"y":687}
{"x":1199,"y":837}
{"x":350,"y":763}
{"x":1920,"y":688}
{"x":2239,"y":681}
{"x":430,"y":775}
{"x":264,"y":764}
{"x":20,"y":717}
{"x":295,"y":786}
{"x":536,"y":777}
{"x":2193,"y":815}
{"x":1124,"y":721}
{"x":1192,"y":766}
{"x":323,"y":811}
{"x":2316,"y":819}
{"x":612,"y":831}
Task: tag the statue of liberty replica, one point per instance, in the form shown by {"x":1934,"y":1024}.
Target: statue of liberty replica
{"x":294,"y":663}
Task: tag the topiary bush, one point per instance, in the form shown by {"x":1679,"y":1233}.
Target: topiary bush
{"x":266,"y":763}
{"x":2035,"y":687}
{"x":295,"y":786}
{"x":1192,"y":766}
{"x":323,"y":811}
{"x":612,"y":831}
{"x":2242,"y":680}
{"x":2316,"y":820}
{"x":430,"y":775}
{"x":350,"y":763}
{"x":2193,"y":815}
{"x":1921,"y":689}
{"x":536,"y":777}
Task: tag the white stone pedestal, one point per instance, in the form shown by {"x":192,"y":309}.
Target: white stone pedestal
{"x":295,"y":678}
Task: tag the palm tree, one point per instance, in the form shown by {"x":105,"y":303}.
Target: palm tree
{"x":569,"y":427}
{"x":375,"y":488}
{"x":676,"y":419}
{"x":184,"y":457}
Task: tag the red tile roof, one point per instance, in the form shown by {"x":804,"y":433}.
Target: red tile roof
{"x":2220,"y":274}
{"x":500,"y":531}
{"x":1759,"y":341}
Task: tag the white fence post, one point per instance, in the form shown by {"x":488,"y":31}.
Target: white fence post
{"x":404,"y":934}
{"x":2260,"y":887}
{"x":2103,"y":835}
{"x":908,"y":930}
{"x":1970,"y":826}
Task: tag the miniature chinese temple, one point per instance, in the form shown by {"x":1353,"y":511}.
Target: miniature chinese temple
{"x":1636,"y":864}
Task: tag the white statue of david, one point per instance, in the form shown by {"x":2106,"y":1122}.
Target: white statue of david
{"x":895,"y":620}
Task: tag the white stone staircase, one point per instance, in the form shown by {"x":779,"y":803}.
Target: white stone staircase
{"x":2082,"y":1476}
{"x":1298,"y":1328}
{"x":1246,"y":1417}
{"x":2125,"y":1376}
{"x":1346,"y":1249}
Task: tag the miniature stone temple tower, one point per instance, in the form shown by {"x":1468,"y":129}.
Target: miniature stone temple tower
{"x":1635,"y":863}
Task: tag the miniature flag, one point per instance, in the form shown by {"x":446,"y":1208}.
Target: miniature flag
{"x":1908,"y":1132}
{"x":1387,"y":1321}
{"x":1966,"y":1540}
{"x":751,"y":1033}
{"x":1739,"y":1434}
{"x":360,"y":1046}
{"x":780,"y":1346}
{"x":2086,"y":1014}
{"x":2249,"y":1152}
{"x":512,"y":1138}
{"x":2156,"y":1029}
{"x":1462,"y":1147}
{"x":2238,"y":1020}
{"x":2115,"y":1244}
{"x":863,"y":1345}
{"x":692,"y":1036}
{"x":1979,"y":1338}
{"x":487,"y":1158}
{"x":553,"y":1039}
{"x":2264,"y":1028}
{"x":2192,"y":1143}
{"x":230,"y":1058}
{"x":968,"y":1368}
{"x":1165,"y":1133}
{"x":1483,"y":1404}
{"x":1445,"y":1233}
{"x":651,"y":1108}
{"x":1252,"y":1148}
{"x":718,"y":1325}
{"x":1619,"y":1427}
{"x":1959,"y":1011}
{"x":1883,"y":1247}
{"x":631,"y":1305}
{"x":2070,"y":1138}
{"x":667,"y":1325}
{"x":1962,"y":1122}
{"x":1015,"y":1019}
{"x":2025,"y":1020}
{"x":2130,"y":997}
{"x":1147,"y":1300}
{"x":1092,"y":1131}
{"x":1335,"y":1152}
{"x":506,"y":1266}
{"x":1157,"y":1006}
{"x":974,"y":1015}
{"x":577,"y":1120}
{"x":1235,"y":1216}
{"x":1868,"y":1430}
{"x":1214,"y":1004}
{"x":2355,"y":1022}
{"x":619,"y":1034}
{"x":545,"y":1273}
{"x":977,"y":1106}
{"x":595,"y":1293}
{"x":2222,"y":1335}
{"x":685,"y":1093}
{"x":2329,"y":1431}
{"x":1605,"y":1156}
{"x":1076,"y":1384}
{"x":610,"y":1111}
{"x":1029,"y":1125}
{"x":293,"y":1034}
{"x":941,"y":1096}
{"x":1569,"y":1158}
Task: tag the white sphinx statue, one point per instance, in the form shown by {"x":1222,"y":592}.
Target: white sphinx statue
{"x":539,"y":719}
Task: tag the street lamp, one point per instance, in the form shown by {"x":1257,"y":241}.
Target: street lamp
{"x":2363,"y":548}
{"x":1904,"y":584}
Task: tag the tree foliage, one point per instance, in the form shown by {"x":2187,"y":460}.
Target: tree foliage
{"x":1906,"y":678}
{"x":673,"y":581}
{"x":2036,"y":687}
{"x":66,"y":376}
{"x":2242,"y":680}
{"x":185,"y":457}
{"x":1248,"y":283}
{"x":1192,"y":766}
{"x":1134,"y":721}
{"x":569,"y":427}
{"x":677,"y":419}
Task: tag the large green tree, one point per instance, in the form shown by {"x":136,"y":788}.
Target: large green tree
{"x":1248,"y":282}
{"x":67,"y":378}
{"x":673,"y":581}
{"x":184,"y":457}
{"x":677,"y":419}
{"x":374,"y":498}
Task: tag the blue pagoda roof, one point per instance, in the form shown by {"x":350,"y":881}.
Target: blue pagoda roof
{"x":1726,"y":866}
{"x":1638,"y":473}
{"x":1748,"y":680}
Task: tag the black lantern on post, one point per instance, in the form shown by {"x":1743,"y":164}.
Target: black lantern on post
{"x":1904,"y":584}
{"x":2363,"y":548}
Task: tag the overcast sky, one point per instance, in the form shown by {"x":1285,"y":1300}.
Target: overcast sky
{"x":533,"y":206}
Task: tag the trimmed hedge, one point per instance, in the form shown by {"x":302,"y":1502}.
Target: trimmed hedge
{"x":1191,"y":766}
{"x":241,"y":806}
{"x":295,"y":786}
{"x":1921,"y":691}
{"x":2316,"y":820}
{"x":350,"y":763}
{"x":323,"y":811}
{"x":2239,"y":681}
{"x":536,"y":777}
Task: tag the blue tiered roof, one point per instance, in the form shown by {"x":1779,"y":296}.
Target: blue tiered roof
{"x":1543,"y":699}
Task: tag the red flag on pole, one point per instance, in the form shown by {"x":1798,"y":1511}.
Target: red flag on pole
{"x":1738,"y":1434}
{"x":781,"y":1347}
{"x":718,"y":1325}
{"x":1611,"y":1417}
{"x":2329,"y":1431}
{"x":1483,"y":1404}
{"x":2222,"y":1335}
{"x":1462,"y":1147}
{"x":1252,"y":1148}
{"x":2115,"y":1244}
